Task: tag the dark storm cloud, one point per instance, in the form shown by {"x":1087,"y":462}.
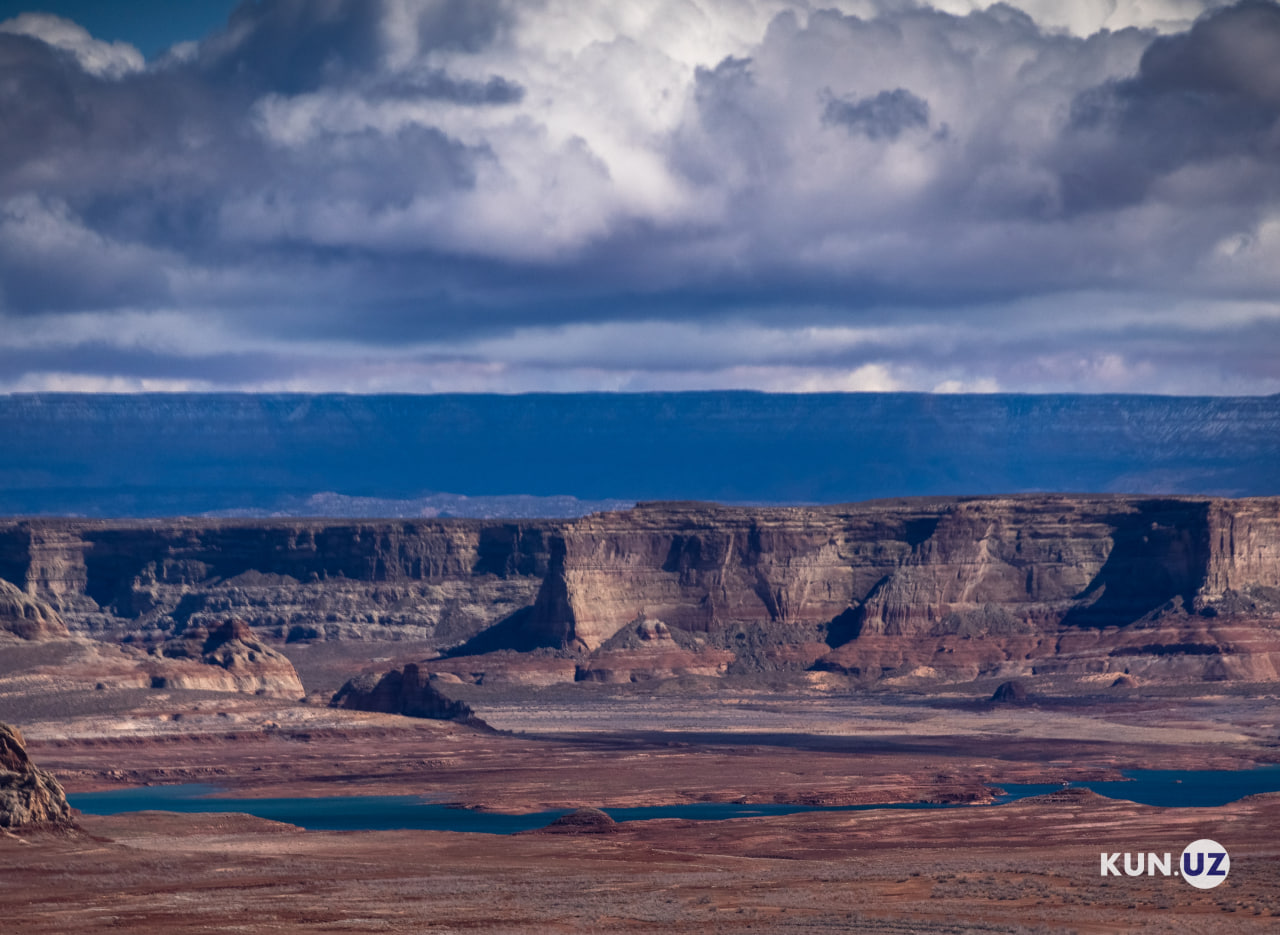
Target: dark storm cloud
{"x":1209,"y":95}
{"x":729,"y":112}
{"x":1231,"y":53}
{"x":462,"y":25}
{"x":387,"y":172}
{"x":121,"y":167}
{"x":886,"y":116}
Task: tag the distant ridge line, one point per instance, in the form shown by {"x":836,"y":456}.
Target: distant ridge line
{"x":163,"y":454}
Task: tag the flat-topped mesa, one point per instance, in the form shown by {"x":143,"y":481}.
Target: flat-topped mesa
{"x":943,"y":587}
{"x":1042,"y":562}
{"x":894,"y":568}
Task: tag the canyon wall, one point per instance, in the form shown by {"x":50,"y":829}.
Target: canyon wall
{"x":392,"y":579}
{"x":902,"y":568}
{"x":917,"y":588}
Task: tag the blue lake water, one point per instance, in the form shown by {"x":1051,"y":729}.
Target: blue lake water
{"x":387,"y":812}
{"x":1168,"y":788}
{"x":1165,"y":788}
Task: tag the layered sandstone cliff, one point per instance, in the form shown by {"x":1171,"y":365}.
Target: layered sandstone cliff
{"x":443,"y":580}
{"x":900,"y":568}
{"x":921,"y":589}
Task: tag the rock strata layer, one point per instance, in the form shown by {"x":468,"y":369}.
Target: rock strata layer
{"x":29,"y":796}
{"x":903,"y":591}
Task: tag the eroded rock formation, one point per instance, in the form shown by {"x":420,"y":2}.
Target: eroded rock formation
{"x":29,"y":796}
{"x":228,"y":658}
{"x":407,"y":691}
{"x":27,"y":617}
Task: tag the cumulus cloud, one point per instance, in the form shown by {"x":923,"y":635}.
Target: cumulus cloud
{"x":466,"y":194}
{"x":1204,"y":99}
{"x":1085,"y":17}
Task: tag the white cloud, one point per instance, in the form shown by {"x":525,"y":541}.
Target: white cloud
{"x":103,"y":59}
{"x":1086,"y":17}
{"x":89,"y":383}
{"x":979,"y":385}
{"x":624,"y":121}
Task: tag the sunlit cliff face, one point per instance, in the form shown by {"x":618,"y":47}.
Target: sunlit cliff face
{"x":519,"y":196}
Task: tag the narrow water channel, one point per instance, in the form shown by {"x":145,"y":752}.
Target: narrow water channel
{"x":1164,"y":788}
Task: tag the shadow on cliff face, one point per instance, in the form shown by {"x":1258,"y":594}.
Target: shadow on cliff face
{"x":548,"y":623}
{"x":516,"y":632}
{"x":1158,"y":558}
{"x":845,"y":627}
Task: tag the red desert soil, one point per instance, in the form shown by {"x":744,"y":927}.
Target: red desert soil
{"x":1027,"y":867}
{"x":1022,"y":868}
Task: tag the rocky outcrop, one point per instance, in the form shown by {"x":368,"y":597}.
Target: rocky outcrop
{"x":1243,"y":552}
{"x":27,"y":617}
{"x":29,"y":796}
{"x":584,"y":820}
{"x":230,"y":658}
{"x":408,"y":691}
{"x":918,"y":590}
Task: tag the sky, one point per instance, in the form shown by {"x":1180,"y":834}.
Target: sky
{"x":150,"y":26}
{"x":579,"y":195}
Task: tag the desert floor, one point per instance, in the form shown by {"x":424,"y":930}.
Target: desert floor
{"x":1029,"y":866}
